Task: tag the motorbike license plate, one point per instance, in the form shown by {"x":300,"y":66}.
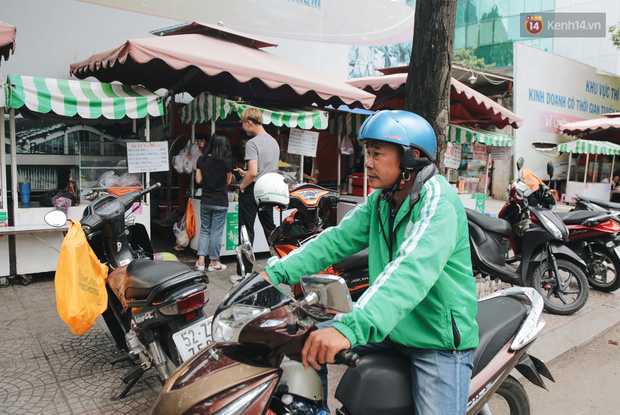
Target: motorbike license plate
{"x":617,"y":250}
{"x":193,"y":338}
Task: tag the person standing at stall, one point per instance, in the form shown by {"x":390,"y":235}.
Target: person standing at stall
{"x":262,"y":153}
{"x":213,"y":173}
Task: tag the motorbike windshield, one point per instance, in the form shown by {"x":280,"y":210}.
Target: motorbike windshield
{"x":254,"y":290}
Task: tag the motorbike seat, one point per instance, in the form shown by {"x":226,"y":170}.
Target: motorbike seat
{"x":143,"y":275}
{"x":487,"y":223}
{"x":381,"y":383}
{"x":577,"y":217}
{"x":603,"y":203}
{"x":359,"y":260}
{"x":498,"y":320}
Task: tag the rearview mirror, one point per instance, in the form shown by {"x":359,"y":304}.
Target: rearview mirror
{"x":333,"y":294}
{"x":550,"y":169}
{"x":56,"y":218}
{"x":520,"y":163}
{"x":246,"y":245}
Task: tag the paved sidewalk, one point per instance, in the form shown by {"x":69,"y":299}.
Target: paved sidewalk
{"x":46,"y":369}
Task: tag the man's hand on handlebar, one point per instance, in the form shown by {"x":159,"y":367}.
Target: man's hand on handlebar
{"x":321,"y":347}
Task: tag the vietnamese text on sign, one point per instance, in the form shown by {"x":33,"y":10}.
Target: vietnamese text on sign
{"x":147,"y":157}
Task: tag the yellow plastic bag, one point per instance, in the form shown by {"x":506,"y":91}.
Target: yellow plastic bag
{"x":190,"y":221}
{"x":80,"y":282}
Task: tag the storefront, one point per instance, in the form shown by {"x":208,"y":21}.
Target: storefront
{"x":470,"y":153}
{"x":209,"y":108}
{"x":590,"y":168}
{"x":72,"y":101}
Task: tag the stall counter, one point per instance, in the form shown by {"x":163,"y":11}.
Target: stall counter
{"x":591,"y":190}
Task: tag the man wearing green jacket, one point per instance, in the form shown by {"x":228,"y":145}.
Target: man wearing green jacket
{"x":422,"y":295}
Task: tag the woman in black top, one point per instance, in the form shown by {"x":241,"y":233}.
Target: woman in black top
{"x":214,"y":173}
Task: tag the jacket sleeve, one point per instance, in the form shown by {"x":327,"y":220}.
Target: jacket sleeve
{"x":407,"y":279}
{"x":332,"y":245}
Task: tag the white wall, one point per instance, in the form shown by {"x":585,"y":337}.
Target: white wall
{"x":52,"y":34}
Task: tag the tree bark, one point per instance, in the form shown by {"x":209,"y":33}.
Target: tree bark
{"x":427,"y":92}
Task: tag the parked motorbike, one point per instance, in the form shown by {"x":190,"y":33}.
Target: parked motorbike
{"x":593,"y":234}
{"x":259,"y":332}
{"x":538,"y":238}
{"x":313,"y":205}
{"x":586,"y":203}
{"x":155,"y":309}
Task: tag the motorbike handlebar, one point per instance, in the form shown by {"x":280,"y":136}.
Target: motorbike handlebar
{"x":343,"y":200}
{"x":150,"y":189}
{"x":347,"y":357}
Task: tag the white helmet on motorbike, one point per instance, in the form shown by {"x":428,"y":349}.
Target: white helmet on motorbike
{"x":271,"y":190}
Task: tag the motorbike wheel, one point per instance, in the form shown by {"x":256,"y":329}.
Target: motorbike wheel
{"x":604,"y":270}
{"x":572,"y":293}
{"x":510,"y":398}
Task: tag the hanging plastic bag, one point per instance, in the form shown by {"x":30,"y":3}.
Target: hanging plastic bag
{"x":190,"y":221}
{"x":80,"y":282}
{"x":180,"y":226}
{"x":346,"y":147}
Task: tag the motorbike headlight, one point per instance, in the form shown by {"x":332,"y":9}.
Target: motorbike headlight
{"x":555,"y":231}
{"x":228,"y":323}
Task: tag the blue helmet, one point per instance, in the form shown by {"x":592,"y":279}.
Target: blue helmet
{"x":401,"y":127}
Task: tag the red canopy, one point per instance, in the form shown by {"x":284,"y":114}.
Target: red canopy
{"x":7,"y":40}
{"x":195,"y":63}
{"x":467,"y":106}
{"x":606,"y":128}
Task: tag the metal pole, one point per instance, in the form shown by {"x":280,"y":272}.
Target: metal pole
{"x":3,"y":189}
{"x":339,"y":157}
{"x":14,"y":185}
{"x":570,"y":161}
{"x":147,"y":133}
{"x":585,"y":173}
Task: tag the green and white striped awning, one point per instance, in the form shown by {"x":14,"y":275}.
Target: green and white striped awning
{"x":89,"y":100}
{"x":346,"y":123}
{"x":590,"y":147}
{"x":206,"y":107}
{"x":458,"y":134}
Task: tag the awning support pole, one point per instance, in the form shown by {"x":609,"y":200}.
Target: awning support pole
{"x":570,"y":161}
{"x":486,"y":175}
{"x":147,"y":133}
{"x":339,"y":161}
{"x":3,"y":161}
{"x":585,"y":173}
{"x":14,"y":185}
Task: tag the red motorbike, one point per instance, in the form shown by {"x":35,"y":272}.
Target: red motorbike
{"x":593,"y":235}
{"x":313,"y":206}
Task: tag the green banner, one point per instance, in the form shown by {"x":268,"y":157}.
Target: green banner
{"x":232,"y":230}
{"x":480,"y":202}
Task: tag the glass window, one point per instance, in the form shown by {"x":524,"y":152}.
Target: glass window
{"x":486,"y":10}
{"x":472,"y":35}
{"x":459,"y":38}
{"x":532,"y":6}
{"x":516,"y":7}
{"x":502,"y":7}
{"x":500,"y":30}
{"x":460,"y":13}
{"x":486,"y":32}
{"x":471,"y":12}
{"x":547,"y":5}
{"x":514,"y":28}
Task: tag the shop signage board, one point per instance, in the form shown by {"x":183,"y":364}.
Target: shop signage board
{"x":147,"y":157}
{"x":501,"y":153}
{"x":232,"y":230}
{"x":547,"y":97}
{"x":453,"y":156}
{"x":303,"y":142}
{"x":4,"y":218}
{"x":480,"y":151}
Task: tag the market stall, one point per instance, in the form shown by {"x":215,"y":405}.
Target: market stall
{"x":75,"y":101}
{"x":210,"y":108}
{"x":590,"y":168}
{"x":469,"y":154}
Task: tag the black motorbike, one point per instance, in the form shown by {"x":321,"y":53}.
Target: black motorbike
{"x":155,"y":309}
{"x":538,"y":239}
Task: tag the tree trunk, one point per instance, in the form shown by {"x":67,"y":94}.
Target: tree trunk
{"x":427,"y":91}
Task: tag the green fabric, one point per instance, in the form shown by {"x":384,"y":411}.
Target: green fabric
{"x":207,"y":107}
{"x":590,"y":147}
{"x":458,"y":134}
{"x":89,"y":100}
{"x":414,"y":297}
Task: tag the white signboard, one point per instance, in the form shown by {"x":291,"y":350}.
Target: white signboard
{"x":453,"y":156}
{"x":147,"y":157}
{"x":551,"y":90}
{"x":303,"y":142}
